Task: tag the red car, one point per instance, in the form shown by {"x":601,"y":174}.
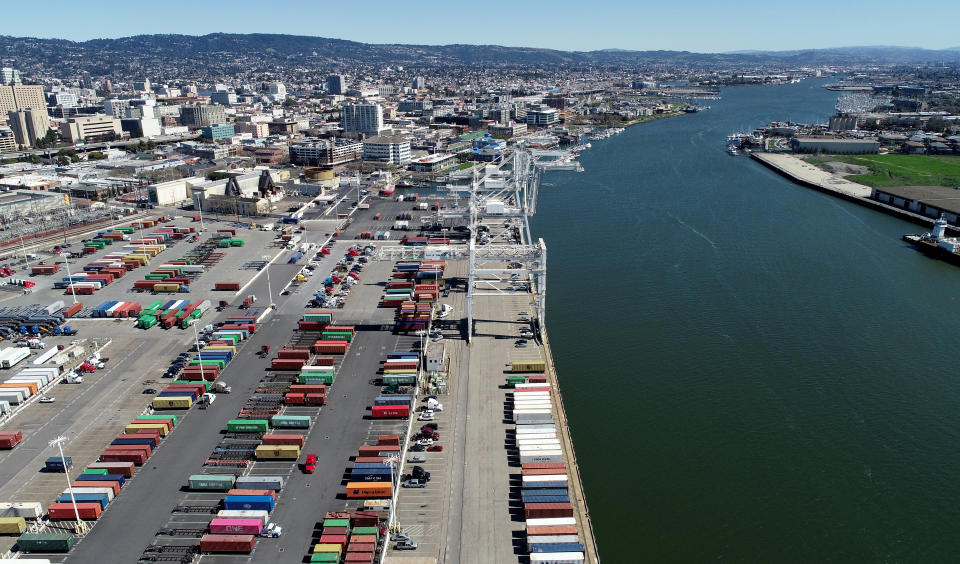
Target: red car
{"x":435,"y":448}
{"x":311,"y":464}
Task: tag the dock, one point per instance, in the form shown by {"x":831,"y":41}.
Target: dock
{"x":805,"y":174}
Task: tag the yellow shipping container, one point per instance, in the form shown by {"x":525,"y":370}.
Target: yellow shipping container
{"x":12,"y":525}
{"x":144,"y":259}
{"x":137,"y":427}
{"x":221,"y":348}
{"x":173,"y":402}
{"x":166,"y":287}
{"x":328,"y":548}
{"x":278,"y":452}
{"x":399,"y":371}
{"x":537,"y":366}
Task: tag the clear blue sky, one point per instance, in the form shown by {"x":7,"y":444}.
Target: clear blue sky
{"x":691,"y":25}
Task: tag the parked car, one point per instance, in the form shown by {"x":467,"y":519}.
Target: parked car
{"x":413,"y":483}
{"x":416,"y":459}
{"x":425,"y":442}
{"x":417,"y":448}
{"x":435,"y":448}
{"x":310,"y":465}
{"x":400,"y":536}
{"x":149,"y":391}
{"x":405,"y":545}
{"x":47,"y":399}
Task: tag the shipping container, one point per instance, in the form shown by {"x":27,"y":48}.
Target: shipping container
{"x":283,"y":439}
{"x":278,"y":452}
{"x":45,"y":542}
{"x":557,"y":558}
{"x":242,"y":544}
{"x":260,"y":482}
{"x":236,"y":526}
{"x":361,"y":490}
{"x":248,"y":426}
{"x":263,"y":516}
{"x":85,"y":511}
{"x":248,"y":503}
{"x":12,"y":525}
{"x":212,"y":482}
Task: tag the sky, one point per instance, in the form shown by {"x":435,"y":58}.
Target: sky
{"x":691,"y":25}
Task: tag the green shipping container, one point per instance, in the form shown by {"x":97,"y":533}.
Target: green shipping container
{"x":218,"y":363}
{"x":205,"y":384}
{"x":248,"y":425}
{"x":399,"y":379}
{"x":337,"y":336}
{"x":325,"y":557}
{"x":213,"y":482}
{"x":315,"y":378}
{"x":366,"y":531}
{"x":233,"y":338}
{"x":291,"y":421}
{"x":321,"y":317}
{"x":513,"y":380}
{"x":97,"y":471}
{"x":45,"y":542}
{"x":174,"y":417}
{"x":156,"y":277}
{"x":146,"y":321}
{"x":336,"y":523}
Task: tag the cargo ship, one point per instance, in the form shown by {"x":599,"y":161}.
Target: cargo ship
{"x":935,"y":244}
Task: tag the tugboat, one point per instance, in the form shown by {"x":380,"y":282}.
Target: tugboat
{"x":935,"y":244}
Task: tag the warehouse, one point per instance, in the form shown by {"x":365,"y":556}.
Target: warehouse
{"x":818,"y":144}
{"x":174,"y":191}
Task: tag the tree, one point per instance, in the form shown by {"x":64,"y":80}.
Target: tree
{"x":96,"y":156}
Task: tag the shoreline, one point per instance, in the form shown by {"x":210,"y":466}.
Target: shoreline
{"x":805,"y":174}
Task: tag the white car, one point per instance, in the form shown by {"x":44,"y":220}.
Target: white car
{"x":46,"y":399}
{"x":425,"y":442}
{"x":425,"y":416}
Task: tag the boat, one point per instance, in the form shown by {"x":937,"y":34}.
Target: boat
{"x":935,"y":244}
{"x":403,"y":184}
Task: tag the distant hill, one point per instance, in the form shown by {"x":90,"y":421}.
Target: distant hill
{"x":227,"y":52}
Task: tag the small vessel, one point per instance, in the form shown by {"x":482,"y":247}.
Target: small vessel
{"x":403,"y":184}
{"x":935,"y":244}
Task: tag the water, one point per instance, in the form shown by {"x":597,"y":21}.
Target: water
{"x":753,"y":371}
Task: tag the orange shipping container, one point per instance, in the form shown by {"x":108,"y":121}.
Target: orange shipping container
{"x":373,"y":490}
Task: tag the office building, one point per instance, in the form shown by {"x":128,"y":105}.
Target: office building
{"x":414,"y":105}
{"x":218,"y":131}
{"x":433,"y":163}
{"x":363,"y":118}
{"x":8,"y":142}
{"x":142,"y":85}
{"x":255,"y":129}
{"x":419,"y":82}
{"x":28,"y":125}
{"x":336,"y":84}
{"x":542,"y":116}
{"x":65,"y":99}
{"x":225,"y":98}
{"x":9,"y":76}
{"x":277,"y":91}
{"x":21,"y":96}
{"x":202,"y":115}
{"x":325,"y":153}
{"x":90,"y":128}
{"x":116,"y":108}
{"x":390,"y":150}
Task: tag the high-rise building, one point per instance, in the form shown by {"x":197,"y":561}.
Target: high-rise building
{"x":86,"y":80}
{"x":90,"y":128}
{"x":142,"y":85}
{"x":336,"y":84}
{"x":391,"y":150}
{"x":29,"y":125}
{"x":419,"y":82}
{"x":202,"y":115}
{"x":9,"y":76}
{"x":363,"y":118}
{"x":21,"y":96}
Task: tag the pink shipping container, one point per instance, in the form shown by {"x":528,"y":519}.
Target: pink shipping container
{"x":236,"y":526}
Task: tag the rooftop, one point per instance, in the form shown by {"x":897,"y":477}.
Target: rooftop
{"x":940,"y":196}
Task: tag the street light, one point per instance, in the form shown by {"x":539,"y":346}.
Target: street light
{"x":392,"y":461}
{"x":200,"y":209}
{"x":58,"y":442}
{"x":73,"y":290}
{"x":267,"y":268}
{"x":196,"y":340}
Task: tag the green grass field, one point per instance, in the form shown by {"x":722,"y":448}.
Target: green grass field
{"x":901,"y":170}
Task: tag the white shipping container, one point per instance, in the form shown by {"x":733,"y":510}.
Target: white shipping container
{"x":536,"y":448}
{"x":535,"y":428}
{"x":81,"y":490}
{"x":534,"y":480}
{"x":39,"y":378}
{"x":24,"y":392}
{"x":530,"y":386}
{"x":45,"y":356}
{"x":4,"y":407}
{"x":550,"y":539}
{"x":552,"y":522}
{"x":13,"y":398}
{"x":244,"y":514}
{"x":27,"y":509}
{"x":556,"y":558}
{"x":541,"y":456}
{"x":539,"y":440}
{"x":532,"y":404}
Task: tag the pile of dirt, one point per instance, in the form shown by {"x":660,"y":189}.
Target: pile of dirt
{"x":843,"y":169}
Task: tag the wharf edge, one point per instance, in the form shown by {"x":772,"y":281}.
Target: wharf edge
{"x":866,"y":202}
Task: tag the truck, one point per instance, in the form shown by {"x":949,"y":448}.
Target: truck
{"x":221,"y":388}
{"x":206,"y":400}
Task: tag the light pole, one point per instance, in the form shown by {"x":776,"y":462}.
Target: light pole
{"x":58,"y":442}
{"x":200,"y":209}
{"x":196,"y":340}
{"x":66,"y":261}
{"x":423,"y":357}
{"x":392,"y":461}
{"x":269,"y":289}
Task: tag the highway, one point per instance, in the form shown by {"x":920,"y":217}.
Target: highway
{"x":97,"y":146}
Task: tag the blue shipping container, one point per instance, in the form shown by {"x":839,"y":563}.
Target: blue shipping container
{"x":144,"y":441}
{"x":85,"y":498}
{"x":527,"y":498}
{"x":248,"y":502}
{"x":102,"y":478}
{"x":557,"y":547}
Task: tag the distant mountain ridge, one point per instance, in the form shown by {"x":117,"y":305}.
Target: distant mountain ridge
{"x":226,"y":50}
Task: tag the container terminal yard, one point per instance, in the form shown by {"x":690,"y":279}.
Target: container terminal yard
{"x":350,"y":400}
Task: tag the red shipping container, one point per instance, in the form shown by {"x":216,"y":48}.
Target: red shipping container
{"x":363,"y":539}
{"x":167,"y":420}
{"x":361,"y":547}
{"x":73,"y":309}
{"x":541,"y":530}
{"x":336,"y":515}
{"x":388,"y":440}
{"x":283,"y":439}
{"x":315,"y":399}
{"x":364,"y":519}
{"x":330,"y":347}
{"x":542,"y":465}
{"x":311,"y":325}
{"x":155,"y":433}
{"x":227,"y":543}
{"x":287,"y":363}
{"x":293,"y":353}
{"x":547,"y":510}
{"x":377,"y":449}
{"x":293,"y":399}
{"x":137,"y":457}
{"x":309,"y":388}
{"x":358,"y":557}
{"x":270,"y":493}
{"x":234,"y":286}
{"x":390,"y":411}
{"x":323,"y":361}
{"x":541,"y":471}
{"x":115,"y":486}
{"x":88,"y":511}
{"x":125,"y":468}
{"x":147,"y":450}
{"x":333,"y":539}
{"x":369,"y":459}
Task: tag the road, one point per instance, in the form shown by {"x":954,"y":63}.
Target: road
{"x":97,"y":146}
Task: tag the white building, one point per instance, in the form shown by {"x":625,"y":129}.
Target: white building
{"x":542,"y":116}
{"x":391,"y":150}
{"x":363,"y":118}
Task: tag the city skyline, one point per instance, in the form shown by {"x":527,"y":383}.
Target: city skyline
{"x":697,"y":26}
